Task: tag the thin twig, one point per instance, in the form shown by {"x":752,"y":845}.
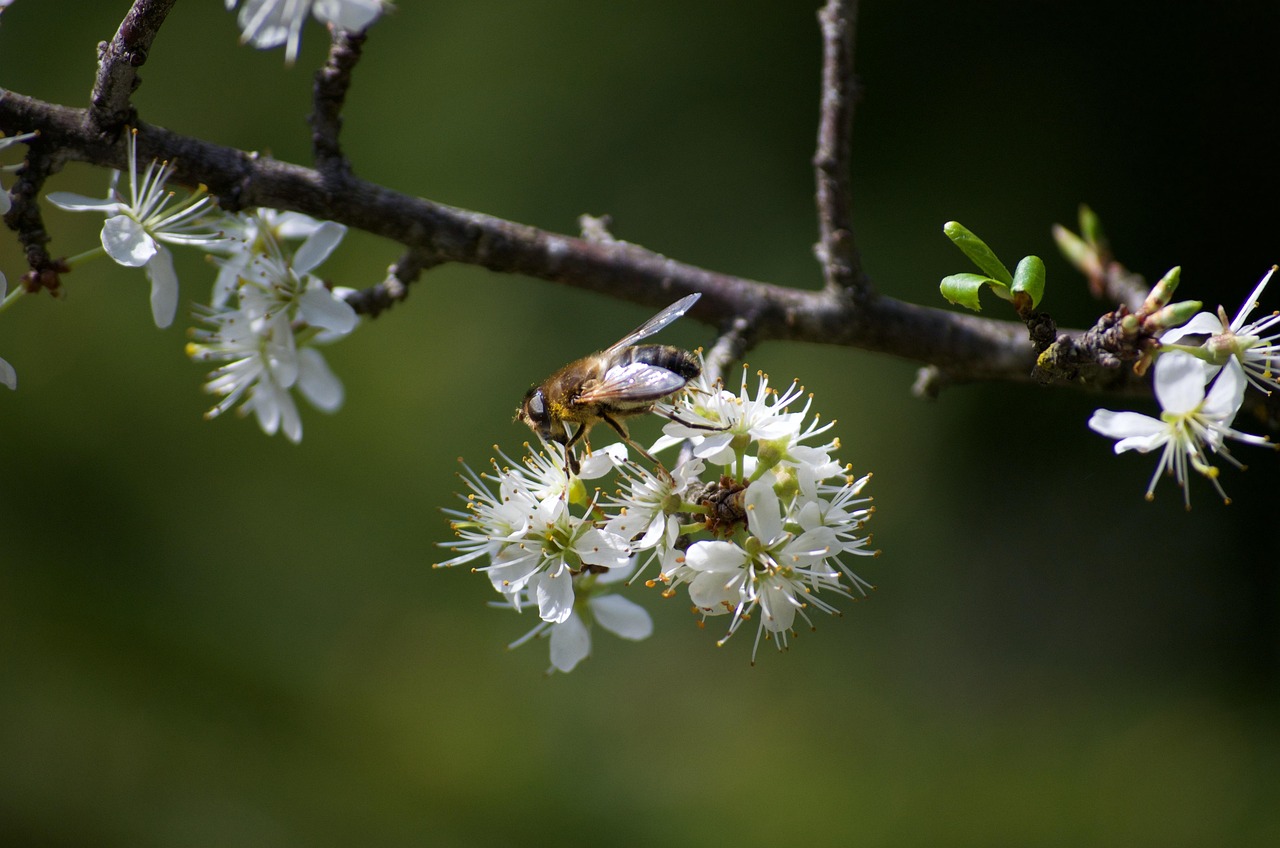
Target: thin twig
{"x":841,"y":263}
{"x":118,"y":63}
{"x":375,"y":299}
{"x":329,"y":93}
{"x":1117,"y":284}
{"x":42,"y":160}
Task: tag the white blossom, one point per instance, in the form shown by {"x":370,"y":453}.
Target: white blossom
{"x":266,"y":341}
{"x":714,"y":420}
{"x":1252,"y":348}
{"x":595,"y":604}
{"x":649,"y":510}
{"x":755,"y":522}
{"x":247,"y":235}
{"x":534,"y":542}
{"x":778,"y":570}
{"x":270,"y":23}
{"x":1193,"y":424}
{"x":138,"y":227}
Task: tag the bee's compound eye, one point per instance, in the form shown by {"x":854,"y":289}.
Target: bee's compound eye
{"x":536,"y":404}
{"x":535,"y":412}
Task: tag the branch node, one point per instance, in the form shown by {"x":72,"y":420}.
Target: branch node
{"x":930,"y":381}
{"x":118,"y":62}
{"x":596,"y":230}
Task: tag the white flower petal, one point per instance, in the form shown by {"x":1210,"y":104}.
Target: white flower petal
{"x":164,"y":287}
{"x":320,"y":386}
{"x":599,"y":547}
{"x":8,"y":376}
{"x":553,"y":590}
{"x":570,"y":643}
{"x":264,"y":400}
{"x":317,"y":247}
{"x":622,"y":617}
{"x":1204,"y":323}
{"x":512,"y":570}
{"x":1144,"y":444}
{"x":764,"y":512}
{"x":1252,"y":302}
{"x":715,"y":557}
{"x":352,"y":15}
{"x":224,"y":285}
{"x":777,"y":605}
{"x":1179,"y":379}
{"x":1124,"y":425}
{"x":269,"y":23}
{"x":291,"y":225}
{"x":1227,"y":393}
{"x":601,"y":462}
{"x":715,"y":594}
{"x":320,"y":308}
{"x":125,"y":241}
{"x":290,"y":421}
{"x":79,"y":203}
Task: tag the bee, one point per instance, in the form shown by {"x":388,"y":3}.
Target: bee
{"x":623,"y":380}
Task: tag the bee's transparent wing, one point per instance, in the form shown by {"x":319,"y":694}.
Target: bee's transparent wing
{"x":637,"y":382}
{"x":657,"y":322}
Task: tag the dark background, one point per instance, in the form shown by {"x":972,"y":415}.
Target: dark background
{"x":209,"y":637}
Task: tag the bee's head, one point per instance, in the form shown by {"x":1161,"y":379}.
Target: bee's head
{"x":536,"y":412}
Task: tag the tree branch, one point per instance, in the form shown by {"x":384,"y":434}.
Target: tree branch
{"x":965,"y":347}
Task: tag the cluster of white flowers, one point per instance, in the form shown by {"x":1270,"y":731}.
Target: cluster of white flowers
{"x":755,"y":519}
{"x":266,"y":339}
{"x":1200,"y":389}
{"x":268,"y":310}
{"x":270,"y":23}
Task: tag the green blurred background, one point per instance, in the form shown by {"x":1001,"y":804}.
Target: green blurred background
{"x":214,"y":638}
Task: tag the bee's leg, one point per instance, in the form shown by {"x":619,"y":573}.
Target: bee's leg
{"x":570,"y":457}
{"x":626,"y":437}
{"x":693,"y":425}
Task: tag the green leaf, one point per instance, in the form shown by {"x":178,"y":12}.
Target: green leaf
{"x":1029,"y":277}
{"x":962,"y":289}
{"x":978,"y":252}
{"x":1091,"y":228}
{"x":1075,"y":249}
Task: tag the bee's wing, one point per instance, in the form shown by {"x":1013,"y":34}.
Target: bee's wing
{"x":637,"y":382}
{"x":657,"y":322}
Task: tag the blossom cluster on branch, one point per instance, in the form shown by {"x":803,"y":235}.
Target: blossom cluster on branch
{"x":755,"y":520}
